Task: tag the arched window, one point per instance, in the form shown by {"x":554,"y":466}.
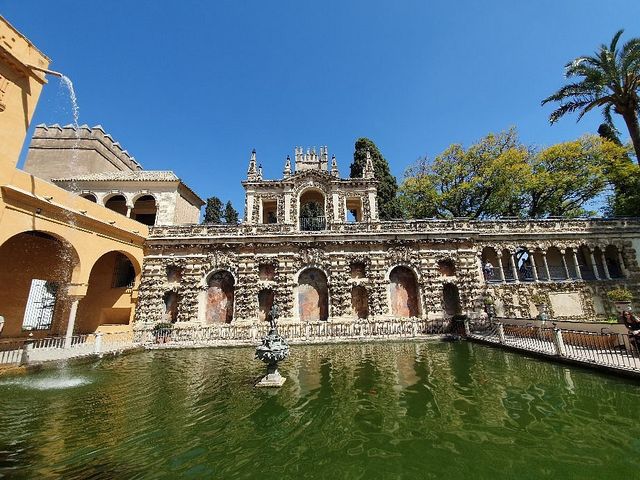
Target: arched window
{"x":312,"y":212}
{"x":145,"y":210}
{"x":490,"y":266}
{"x":89,"y":196}
{"x":117,"y":203}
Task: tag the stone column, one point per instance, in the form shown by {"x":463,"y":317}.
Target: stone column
{"x":513,"y":268}
{"x":546,"y":266}
{"x":604,"y":265}
{"x":500,"y":267}
{"x":129,"y":208}
{"x":533,"y":267}
{"x":594,"y":265}
{"x":564,"y":264}
{"x":577,"y":265}
{"x":72,"y":321}
{"x":623,"y":269}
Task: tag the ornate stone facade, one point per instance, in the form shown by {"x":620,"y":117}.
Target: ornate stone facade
{"x":429,"y":268}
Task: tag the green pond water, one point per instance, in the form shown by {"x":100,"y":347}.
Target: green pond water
{"x":395,"y":410}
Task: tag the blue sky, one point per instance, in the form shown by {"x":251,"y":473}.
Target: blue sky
{"x":193,"y":86}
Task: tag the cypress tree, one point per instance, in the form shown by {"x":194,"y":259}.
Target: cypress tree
{"x":388,"y":206}
{"x":230,"y":214}
{"x":213,"y":210}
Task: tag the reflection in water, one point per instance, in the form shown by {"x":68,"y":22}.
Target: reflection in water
{"x":396,"y":410}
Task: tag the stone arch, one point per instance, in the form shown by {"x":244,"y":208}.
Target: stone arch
{"x":89,"y":196}
{"x":108,"y":297}
{"x":117,"y":202}
{"x":359,"y":302}
{"x":451,"y":300}
{"x":145,"y":209}
{"x":556,"y":261}
{"x":613,"y":258}
{"x":524,"y":264}
{"x":312,"y":295}
{"x":36,"y":269}
{"x":404,"y":300}
{"x":598,"y":253}
{"x":312,"y":208}
{"x":490,"y":268}
{"x":220,"y":297}
{"x":587,"y":269}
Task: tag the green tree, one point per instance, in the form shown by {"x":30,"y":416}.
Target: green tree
{"x":482,"y":181}
{"x":624,"y":177}
{"x":566,"y":176}
{"x":388,"y":206}
{"x":230,"y":214}
{"x":498,"y":176}
{"x":609,"y":80}
{"x":213,"y":210}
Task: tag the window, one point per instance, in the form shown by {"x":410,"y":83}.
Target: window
{"x":41,"y":305}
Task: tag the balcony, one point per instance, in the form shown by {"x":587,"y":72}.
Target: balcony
{"x":312,"y":224}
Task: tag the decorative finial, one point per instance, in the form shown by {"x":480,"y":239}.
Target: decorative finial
{"x":287,"y":167}
{"x":368,"y":167}
{"x":252,"y":172}
{"x":334,"y":165}
{"x":260,"y":172}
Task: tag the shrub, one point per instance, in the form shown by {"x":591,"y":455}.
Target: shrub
{"x":538,"y":299}
{"x":620,"y":294}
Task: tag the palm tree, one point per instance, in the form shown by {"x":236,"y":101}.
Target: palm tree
{"x":609,"y":79}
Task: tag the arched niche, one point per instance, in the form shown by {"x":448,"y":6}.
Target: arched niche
{"x":266,"y":297}
{"x":359,"y":302}
{"x":403,"y":292}
{"x":171,"y":302}
{"x":220,"y":297}
{"x":313,"y":295}
{"x":451,"y":299}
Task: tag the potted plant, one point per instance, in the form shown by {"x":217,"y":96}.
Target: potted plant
{"x":621,"y":298}
{"x":489,"y":306}
{"x":540,"y":301}
{"x":162,"y":332}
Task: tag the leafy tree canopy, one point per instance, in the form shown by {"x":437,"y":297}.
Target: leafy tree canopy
{"x":499,"y":176}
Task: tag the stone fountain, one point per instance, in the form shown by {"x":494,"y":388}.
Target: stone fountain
{"x":274,"y":349}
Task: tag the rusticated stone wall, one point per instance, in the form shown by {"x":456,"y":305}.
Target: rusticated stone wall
{"x":268,"y":263}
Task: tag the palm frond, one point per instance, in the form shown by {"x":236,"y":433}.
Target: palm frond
{"x":614,"y":40}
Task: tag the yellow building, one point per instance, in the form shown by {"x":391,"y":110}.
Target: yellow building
{"x":67,"y":265}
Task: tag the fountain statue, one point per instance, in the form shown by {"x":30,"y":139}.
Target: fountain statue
{"x":274,"y":349}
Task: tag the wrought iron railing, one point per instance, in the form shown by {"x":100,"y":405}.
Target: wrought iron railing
{"x":605,"y":348}
{"x":309,"y":224}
